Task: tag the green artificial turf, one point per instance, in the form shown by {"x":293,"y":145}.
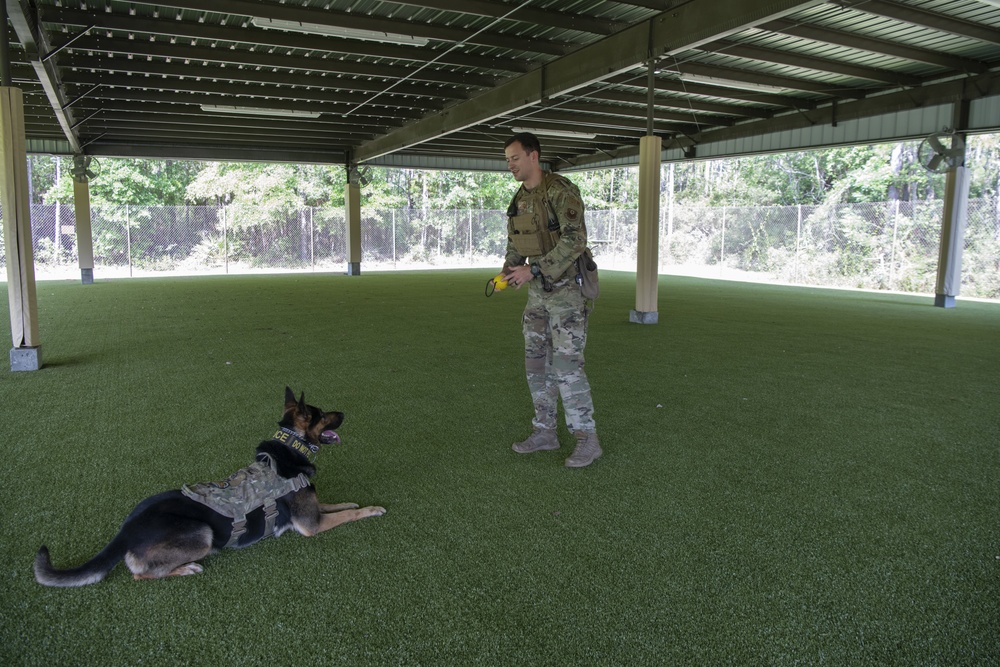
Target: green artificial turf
{"x":791,"y":476}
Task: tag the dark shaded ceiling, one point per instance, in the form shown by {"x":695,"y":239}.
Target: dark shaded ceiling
{"x":204,"y":80}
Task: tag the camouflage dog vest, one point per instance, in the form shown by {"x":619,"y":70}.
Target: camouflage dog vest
{"x":257,"y":485}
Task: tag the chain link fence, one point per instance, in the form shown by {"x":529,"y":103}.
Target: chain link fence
{"x":888,"y":246}
{"x":884,"y":246}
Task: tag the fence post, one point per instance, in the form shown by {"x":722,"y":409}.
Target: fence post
{"x":670,"y":216}
{"x":722,"y":250}
{"x":225,"y":239}
{"x":128,"y":239}
{"x":312,"y":240}
{"x":57,"y":240}
{"x":798,"y":245}
{"x":892,"y":253}
{"x":394,"y":238}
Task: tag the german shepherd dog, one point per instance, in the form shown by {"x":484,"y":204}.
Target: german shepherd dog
{"x":166,"y":534}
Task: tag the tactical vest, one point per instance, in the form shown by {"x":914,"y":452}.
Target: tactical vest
{"x":257,"y":485}
{"x":535,"y":233}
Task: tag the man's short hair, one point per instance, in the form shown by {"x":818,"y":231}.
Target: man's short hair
{"x":528,"y":140}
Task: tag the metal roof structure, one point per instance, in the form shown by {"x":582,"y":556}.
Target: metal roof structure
{"x":442,"y":83}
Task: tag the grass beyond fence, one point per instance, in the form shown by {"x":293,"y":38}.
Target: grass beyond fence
{"x":791,"y":476}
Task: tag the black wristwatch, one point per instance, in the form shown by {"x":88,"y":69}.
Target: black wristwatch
{"x":535,"y":270}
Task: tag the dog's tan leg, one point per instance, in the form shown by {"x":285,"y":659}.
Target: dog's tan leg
{"x":174,"y":557}
{"x":326,"y":508}
{"x":327,"y":521}
{"x":182,"y":571}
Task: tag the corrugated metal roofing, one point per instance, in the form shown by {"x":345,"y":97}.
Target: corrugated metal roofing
{"x":187,"y":79}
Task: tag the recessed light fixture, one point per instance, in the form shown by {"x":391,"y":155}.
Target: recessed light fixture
{"x":570,"y":134}
{"x":259,"y":111}
{"x":338,"y":31}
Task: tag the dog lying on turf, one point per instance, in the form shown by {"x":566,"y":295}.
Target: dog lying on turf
{"x":166,"y":534}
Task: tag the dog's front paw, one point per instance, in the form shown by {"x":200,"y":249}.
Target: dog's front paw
{"x":373,"y":510}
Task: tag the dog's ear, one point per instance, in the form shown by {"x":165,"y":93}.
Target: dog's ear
{"x":289,"y":398}
{"x":302,"y":402}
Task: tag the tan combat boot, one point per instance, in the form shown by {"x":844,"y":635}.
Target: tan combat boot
{"x":540,"y":438}
{"x":588,"y":449}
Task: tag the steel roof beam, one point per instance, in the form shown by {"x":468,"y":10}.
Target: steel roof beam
{"x":362,"y":21}
{"x":183,"y":100}
{"x":927,"y":19}
{"x":601,"y":114}
{"x":36,"y":48}
{"x":776,"y":81}
{"x":241,"y":94}
{"x":544,"y":17}
{"x":260,"y":59}
{"x":804,"y":61}
{"x":165,"y":108}
{"x":687,"y":88}
{"x":939,"y":93}
{"x":112,"y":71}
{"x":879,"y":46}
{"x":687,"y":26}
{"x":263,"y":38}
{"x":689,"y":104}
{"x":204,"y":151}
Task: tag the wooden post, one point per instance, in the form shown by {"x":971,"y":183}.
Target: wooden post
{"x":352,"y":202}
{"x":26,"y":355}
{"x":84,"y":236}
{"x":956,"y":204}
{"x":648,"y":242}
{"x":956,"y":210}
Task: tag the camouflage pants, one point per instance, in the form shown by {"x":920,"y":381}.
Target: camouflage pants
{"x":555,"y":333}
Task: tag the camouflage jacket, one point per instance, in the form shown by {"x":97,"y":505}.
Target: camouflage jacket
{"x":557,"y":196}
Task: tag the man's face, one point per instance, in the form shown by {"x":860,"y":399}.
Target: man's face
{"x":521,"y":164}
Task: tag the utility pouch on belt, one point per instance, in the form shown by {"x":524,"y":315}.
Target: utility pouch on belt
{"x":587,"y":275}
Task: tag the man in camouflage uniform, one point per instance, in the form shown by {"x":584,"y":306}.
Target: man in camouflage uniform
{"x":546,"y":235}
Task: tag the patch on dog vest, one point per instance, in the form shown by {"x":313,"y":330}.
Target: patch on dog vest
{"x":257,"y":485}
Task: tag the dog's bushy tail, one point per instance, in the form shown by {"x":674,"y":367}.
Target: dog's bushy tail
{"x":90,"y":572}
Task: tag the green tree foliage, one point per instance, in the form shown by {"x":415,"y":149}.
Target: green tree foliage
{"x":272,"y":202}
{"x":983,"y":159}
{"x":259,"y":191}
{"x":438,"y":190}
{"x":845,"y":174}
{"x":119,"y":181}
{"x":607,"y":189}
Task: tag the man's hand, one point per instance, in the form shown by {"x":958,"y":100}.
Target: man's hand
{"x":519,"y":275}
